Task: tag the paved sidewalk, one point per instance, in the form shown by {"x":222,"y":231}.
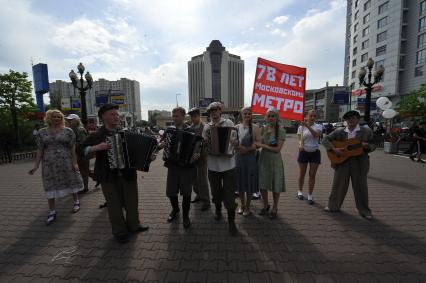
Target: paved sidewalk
{"x":304,"y":244}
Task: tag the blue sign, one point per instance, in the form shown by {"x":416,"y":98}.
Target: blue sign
{"x":41,"y":78}
{"x":205,"y":102}
{"x":101,"y":100}
{"x":75,"y":104}
{"x":341,"y":97}
{"x":361,"y":103}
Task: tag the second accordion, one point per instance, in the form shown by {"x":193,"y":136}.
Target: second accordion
{"x":130,"y":150}
{"x":180,"y":146}
{"x":219,"y":140}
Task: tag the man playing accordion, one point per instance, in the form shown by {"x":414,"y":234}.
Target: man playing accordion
{"x":181,"y":148}
{"x":221,"y":162}
{"x":119,"y":186}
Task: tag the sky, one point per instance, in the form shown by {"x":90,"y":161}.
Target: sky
{"x":152,"y":41}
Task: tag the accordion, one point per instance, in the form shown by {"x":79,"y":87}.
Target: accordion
{"x":130,"y":150}
{"x":180,"y":146}
{"x":219,"y":140}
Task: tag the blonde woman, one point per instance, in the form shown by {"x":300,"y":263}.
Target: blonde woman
{"x":309,"y":153}
{"x":60,"y":172}
{"x":271,"y":166}
{"x":247,"y":176}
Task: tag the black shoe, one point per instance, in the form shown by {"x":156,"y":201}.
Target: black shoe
{"x":310,"y":201}
{"x":412,"y":157}
{"x":141,"y":228}
{"x":186,"y":223}
{"x":300,"y":197}
{"x":255,"y":196}
{"x":121,"y":238}
{"x":264,"y":210}
{"x":205,"y":206}
{"x":83,"y":191}
{"x":103,"y":205}
{"x":173,"y":215}
{"x":273,"y":214}
{"x":196,"y":199}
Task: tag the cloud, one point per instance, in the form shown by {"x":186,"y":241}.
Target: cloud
{"x":278,"y":32}
{"x":281,"y":20}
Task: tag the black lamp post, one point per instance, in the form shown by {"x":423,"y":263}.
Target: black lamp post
{"x":369,"y":85}
{"x":79,"y":84}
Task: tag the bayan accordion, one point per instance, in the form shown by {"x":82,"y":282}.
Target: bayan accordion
{"x":219,"y":140}
{"x":130,"y":150}
{"x":180,"y":146}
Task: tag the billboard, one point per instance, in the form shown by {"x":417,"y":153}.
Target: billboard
{"x":205,"y":102}
{"x":361,"y":104}
{"x":281,"y":87}
{"x":75,"y":103}
{"x":118,"y":99}
{"x":341,"y":97}
{"x":41,"y":78}
{"x":66,"y":104}
{"x":101,"y":100}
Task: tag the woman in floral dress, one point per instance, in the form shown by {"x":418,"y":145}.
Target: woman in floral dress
{"x":271,"y":166}
{"x":60,"y":173}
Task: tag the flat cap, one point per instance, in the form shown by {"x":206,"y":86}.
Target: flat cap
{"x":351,"y":113}
{"x":194,"y":110}
{"x":214,"y":105}
{"x":104,"y":108}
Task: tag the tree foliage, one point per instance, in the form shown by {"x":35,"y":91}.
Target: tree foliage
{"x":16,"y":100}
{"x":413,"y":104}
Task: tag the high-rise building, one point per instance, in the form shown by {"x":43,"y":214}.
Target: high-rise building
{"x":123,"y":92}
{"x":393,"y":34}
{"x":216,"y":75}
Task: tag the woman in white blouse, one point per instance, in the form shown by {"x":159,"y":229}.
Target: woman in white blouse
{"x":308,"y":134}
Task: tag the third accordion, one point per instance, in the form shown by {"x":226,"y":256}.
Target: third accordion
{"x":180,"y":146}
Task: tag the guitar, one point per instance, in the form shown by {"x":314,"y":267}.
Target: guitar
{"x":351,"y":147}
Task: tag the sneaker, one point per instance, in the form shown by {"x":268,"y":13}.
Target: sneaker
{"x":51,"y":217}
{"x":255,"y":196}
{"x":246,"y":212}
{"x":76,"y":207}
{"x":310,"y":201}
{"x":300,"y":197}
{"x":173,"y":215}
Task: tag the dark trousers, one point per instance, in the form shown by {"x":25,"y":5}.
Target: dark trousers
{"x":223,"y":186}
{"x":122,"y":194}
{"x":355,"y":169}
{"x":201,"y":185}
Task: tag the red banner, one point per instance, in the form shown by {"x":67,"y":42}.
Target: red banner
{"x":281,"y":87}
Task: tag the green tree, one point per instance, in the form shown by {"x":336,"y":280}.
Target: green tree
{"x":413,"y":104}
{"x":15,"y":98}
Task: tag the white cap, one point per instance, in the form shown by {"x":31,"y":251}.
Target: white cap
{"x":72,"y":117}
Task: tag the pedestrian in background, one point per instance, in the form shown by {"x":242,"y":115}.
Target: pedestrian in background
{"x":60,"y":172}
{"x":73,"y":121}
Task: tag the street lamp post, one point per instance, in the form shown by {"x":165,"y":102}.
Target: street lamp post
{"x":369,"y":85}
{"x":177,"y":104}
{"x":79,"y":84}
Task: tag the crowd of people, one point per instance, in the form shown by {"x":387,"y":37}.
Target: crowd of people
{"x":255,"y":164}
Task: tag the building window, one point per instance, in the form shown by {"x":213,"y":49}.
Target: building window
{"x":421,"y":41}
{"x":421,"y":56}
{"x":418,"y":71}
{"x":355,"y":38}
{"x":381,"y":50}
{"x":383,"y":7}
{"x":366,"y":31}
{"x":381,"y":36}
{"x":355,"y":27}
{"x":366,"y":18}
{"x":365,"y":44}
{"x":379,"y":63}
{"x":353,"y":74}
{"x":353,"y":62}
{"x":422,"y":24}
{"x":356,"y":3}
{"x":364,"y":57}
{"x":355,"y":50}
{"x":356,"y":15}
{"x":367,"y":5}
{"x":382,"y":22}
{"x":423,"y":8}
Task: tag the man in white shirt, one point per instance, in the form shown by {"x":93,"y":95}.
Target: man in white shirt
{"x":221,"y":170}
{"x":354,"y":168}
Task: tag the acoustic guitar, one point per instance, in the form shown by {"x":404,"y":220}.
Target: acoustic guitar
{"x":351,"y":147}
